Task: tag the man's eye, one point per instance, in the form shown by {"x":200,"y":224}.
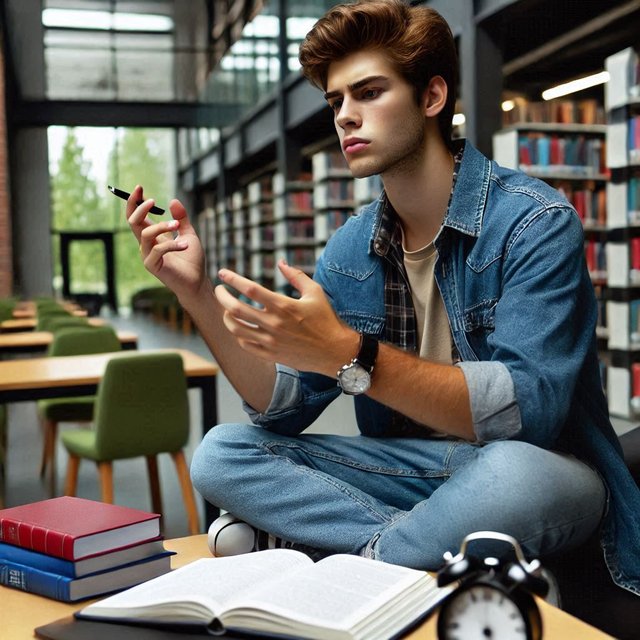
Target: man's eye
{"x":368,"y":94}
{"x":335,"y":105}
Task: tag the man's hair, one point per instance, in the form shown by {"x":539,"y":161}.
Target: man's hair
{"x":416,"y":40}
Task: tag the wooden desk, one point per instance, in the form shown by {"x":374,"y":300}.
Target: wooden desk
{"x":30,"y":310}
{"x":22,"y":612}
{"x":35,"y":341}
{"x":29,"y":324}
{"x":32,"y":379}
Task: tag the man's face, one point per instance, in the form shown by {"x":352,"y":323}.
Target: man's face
{"x":380,"y":126}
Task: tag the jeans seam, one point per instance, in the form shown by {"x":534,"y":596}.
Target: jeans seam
{"x":302,"y":469}
{"x":422,"y":473}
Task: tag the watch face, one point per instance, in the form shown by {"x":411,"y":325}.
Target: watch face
{"x":354,"y":379}
{"x":482,"y":612}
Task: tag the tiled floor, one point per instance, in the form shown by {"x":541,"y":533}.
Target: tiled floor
{"x":130,"y":478}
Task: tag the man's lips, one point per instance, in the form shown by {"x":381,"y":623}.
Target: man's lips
{"x":354,"y":145}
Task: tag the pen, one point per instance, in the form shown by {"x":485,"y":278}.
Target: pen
{"x":125,"y":196}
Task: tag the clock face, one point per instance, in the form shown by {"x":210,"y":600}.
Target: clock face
{"x":355,"y":379}
{"x":482,"y":612}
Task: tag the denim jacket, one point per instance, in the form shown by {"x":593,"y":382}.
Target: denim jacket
{"x":522,"y":312}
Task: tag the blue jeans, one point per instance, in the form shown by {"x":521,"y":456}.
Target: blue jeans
{"x":403,"y":501}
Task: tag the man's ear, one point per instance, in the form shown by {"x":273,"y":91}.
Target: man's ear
{"x":434,"y":97}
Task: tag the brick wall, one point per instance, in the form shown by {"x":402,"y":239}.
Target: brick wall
{"x":6,"y":271}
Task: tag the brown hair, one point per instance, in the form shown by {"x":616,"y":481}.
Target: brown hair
{"x":416,"y":40}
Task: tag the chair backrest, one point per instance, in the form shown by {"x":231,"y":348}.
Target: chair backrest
{"x":142,"y":406}
{"x":74,"y":341}
{"x":6,"y":310}
{"x":54,"y":323}
{"x":47,"y":315}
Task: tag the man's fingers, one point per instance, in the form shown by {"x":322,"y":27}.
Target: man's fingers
{"x":297,"y":278}
{"x":248,"y":288}
{"x":239,"y":310}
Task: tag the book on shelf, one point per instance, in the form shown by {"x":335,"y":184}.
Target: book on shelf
{"x":72,"y":528}
{"x":588,"y":111}
{"x":85,"y":566}
{"x":67,"y":589}
{"x":281,"y":592}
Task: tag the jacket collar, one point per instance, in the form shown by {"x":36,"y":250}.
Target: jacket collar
{"x":465,"y":209}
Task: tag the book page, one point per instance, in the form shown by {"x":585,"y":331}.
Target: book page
{"x":336,"y":592}
{"x":206,"y":584}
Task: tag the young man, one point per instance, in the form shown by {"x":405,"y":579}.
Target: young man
{"x":457,"y":310}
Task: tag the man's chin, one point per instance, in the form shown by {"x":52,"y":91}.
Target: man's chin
{"x":362,"y":171}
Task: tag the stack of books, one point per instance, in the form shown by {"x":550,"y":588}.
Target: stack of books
{"x":71,"y":548}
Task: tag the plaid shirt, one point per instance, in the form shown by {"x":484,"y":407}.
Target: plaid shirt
{"x":400,"y":316}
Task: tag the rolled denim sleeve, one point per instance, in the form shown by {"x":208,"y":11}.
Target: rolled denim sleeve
{"x":298,"y":399}
{"x":286,"y":394}
{"x":494,"y":407}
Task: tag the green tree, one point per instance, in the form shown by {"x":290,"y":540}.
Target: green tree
{"x":77,"y":207}
{"x":145,"y":157}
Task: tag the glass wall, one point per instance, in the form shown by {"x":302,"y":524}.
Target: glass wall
{"x":251,"y":68}
{"x":83,"y":161}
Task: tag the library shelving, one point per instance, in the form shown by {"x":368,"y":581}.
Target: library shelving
{"x":333,"y":194}
{"x":622,"y":100}
{"x":272,"y":218}
{"x":260,"y":237}
{"x":293,"y":226}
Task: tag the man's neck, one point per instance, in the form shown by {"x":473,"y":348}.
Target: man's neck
{"x":420,"y":196}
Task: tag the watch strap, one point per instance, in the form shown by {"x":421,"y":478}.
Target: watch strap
{"x":368,"y":351}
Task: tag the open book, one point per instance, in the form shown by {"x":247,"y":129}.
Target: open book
{"x":281,"y":592}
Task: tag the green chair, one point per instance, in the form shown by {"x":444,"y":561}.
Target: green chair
{"x":142,"y":409}
{"x":48,"y":315}
{"x":71,"y":341}
{"x":56,"y":322}
{"x":6,"y":309}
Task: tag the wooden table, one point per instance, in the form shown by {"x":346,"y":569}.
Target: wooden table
{"x":21,"y":612}
{"x":31,"y":379}
{"x":29,"y":324}
{"x":35,"y":341}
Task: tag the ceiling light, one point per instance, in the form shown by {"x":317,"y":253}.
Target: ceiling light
{"x":104,"y":20}
{"x":508,"y":105}
{"x":576,"y":85}
{"x":458,"y":119}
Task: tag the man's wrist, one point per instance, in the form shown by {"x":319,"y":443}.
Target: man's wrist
{"x":354,"y":377}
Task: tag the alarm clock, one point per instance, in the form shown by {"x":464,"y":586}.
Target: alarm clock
{"x":494,"y":599}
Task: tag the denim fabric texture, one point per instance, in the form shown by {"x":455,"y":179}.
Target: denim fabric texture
{"x":522,"y":312}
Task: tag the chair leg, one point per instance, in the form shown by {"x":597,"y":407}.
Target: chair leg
{"x":105,"y":470}
{"x":71,"y":483}
{"x":49,"y":445}
{"x":187,"y":491}
{"x":154,"y":484}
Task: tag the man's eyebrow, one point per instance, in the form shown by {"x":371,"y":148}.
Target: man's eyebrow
{"x":355,"y":86}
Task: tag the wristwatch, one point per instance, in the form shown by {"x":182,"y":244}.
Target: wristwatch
{"x":355,"y":378}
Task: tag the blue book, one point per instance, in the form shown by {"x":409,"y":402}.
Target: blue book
{"x":85,"y":566}
{"x":53,"y":585}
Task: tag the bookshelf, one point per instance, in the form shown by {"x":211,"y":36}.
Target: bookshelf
{"x":273,"y":218}
{"x":622,"y":101}
{"x":260,"y":230}
{"x":293,"y":226}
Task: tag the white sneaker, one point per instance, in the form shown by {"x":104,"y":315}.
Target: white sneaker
{"x":229,"y":536}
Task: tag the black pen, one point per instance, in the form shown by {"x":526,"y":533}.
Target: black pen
{"x":125,"y":196}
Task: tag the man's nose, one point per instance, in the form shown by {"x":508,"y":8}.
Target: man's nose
{"x":349,"y":115}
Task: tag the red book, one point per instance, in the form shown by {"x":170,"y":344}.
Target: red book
{"x":73,"y":528}
{"x":635,"y":254}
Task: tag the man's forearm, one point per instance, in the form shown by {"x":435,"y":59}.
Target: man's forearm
{"x":252,"y":377}
{"x":431,"y":394}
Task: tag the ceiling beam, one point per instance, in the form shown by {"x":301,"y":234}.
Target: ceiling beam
{"x":569,"y":38}
{"x":77,"y":113}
